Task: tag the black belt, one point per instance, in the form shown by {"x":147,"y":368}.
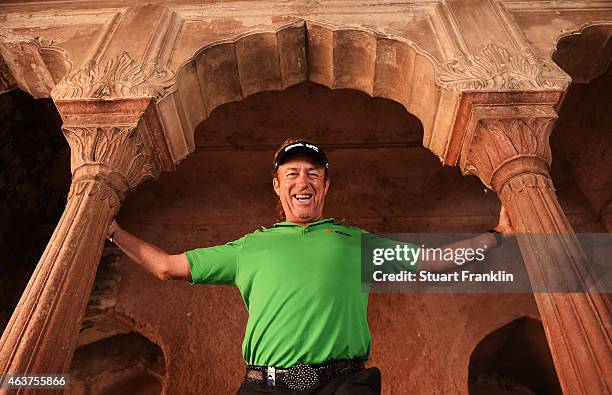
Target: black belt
{"x":301,"y":377}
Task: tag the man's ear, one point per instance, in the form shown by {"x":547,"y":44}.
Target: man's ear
{"x":276,"y":186}
{"x":327,"y":182}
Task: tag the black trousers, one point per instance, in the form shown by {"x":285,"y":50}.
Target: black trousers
{"x":365,"y":382}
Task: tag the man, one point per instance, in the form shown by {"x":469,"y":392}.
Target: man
{"x":301,"y":283}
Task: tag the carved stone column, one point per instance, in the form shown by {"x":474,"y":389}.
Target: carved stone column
{"x":508,"y":149}
{"x":111,"y":154}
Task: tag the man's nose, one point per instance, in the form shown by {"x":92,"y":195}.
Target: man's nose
{"x":302,"y":179}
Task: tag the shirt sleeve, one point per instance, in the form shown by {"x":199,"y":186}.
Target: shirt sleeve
{"x":215,"y":265}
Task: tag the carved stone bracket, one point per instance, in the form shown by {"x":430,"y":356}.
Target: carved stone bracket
{"x":25,"y":61}
{"x":496,"y":68}
{"x":120,"y":76}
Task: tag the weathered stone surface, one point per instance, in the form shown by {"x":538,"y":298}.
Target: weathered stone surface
{"x":7,"y":82}
{"x":498,"y":69}
{"x":544,"y":24}
{"x":120,"y":364}
{"x":106,"y":161}
{"x":436,"y":47}
{"x":143,"y":77}
{"x":24,"y":65}
{"x":506,"y":141}
{"x":117,"y":155}
{"x":41,"y":335}
{"x":120,"y":76}
{"x":510,"y":152}
{"x":577,"y":324}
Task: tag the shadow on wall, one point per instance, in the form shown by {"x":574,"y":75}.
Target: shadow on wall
{"x":514,"y":359}
{"x":121,"y":364}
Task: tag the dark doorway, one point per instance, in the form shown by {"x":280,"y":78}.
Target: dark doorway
{"x":121,"y":364}
{"x":513,"y":359}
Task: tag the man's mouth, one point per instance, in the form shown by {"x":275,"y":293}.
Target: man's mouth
{"x":304,"y":197}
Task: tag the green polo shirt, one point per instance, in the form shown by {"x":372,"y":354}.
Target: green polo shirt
{"x":302,"y":288}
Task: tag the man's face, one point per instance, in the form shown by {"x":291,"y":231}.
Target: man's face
{"x":301,"y":186}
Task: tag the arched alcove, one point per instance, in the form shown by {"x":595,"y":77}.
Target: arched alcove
{"x":336,"y":57}
{"x":585,"y":54}
{"x":374,"y":145}
{"x":383,"y":180}
{"x":581,"y":138}
{"x":126,"y":364}
{"x":514,"y":359}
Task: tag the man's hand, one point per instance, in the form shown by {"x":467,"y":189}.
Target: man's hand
{"x":481,"y":241}
{"x":504,"y":226}
{"x":114,"y":226}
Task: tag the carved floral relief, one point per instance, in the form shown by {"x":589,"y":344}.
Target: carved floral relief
{"x":120,"y":148}
{"x":120,"y":76}
{"x":497,"y":141}
{"x":498,"y":69}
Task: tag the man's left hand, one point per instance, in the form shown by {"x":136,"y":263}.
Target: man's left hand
{"x":504,"y":226}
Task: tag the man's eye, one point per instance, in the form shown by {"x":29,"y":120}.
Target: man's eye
{"x":313,"y":174}
{"x":292,"y":174}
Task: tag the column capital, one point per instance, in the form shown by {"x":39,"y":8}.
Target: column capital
{"x":503,"y":142}
{"x":119,"y":143}
{"x":118,"y":156}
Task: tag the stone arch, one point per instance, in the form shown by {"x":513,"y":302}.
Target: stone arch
{"x":125,"y":363}
{"x":513,"y":358}
{"x":336,"y":57}
{"x":586,"y":53}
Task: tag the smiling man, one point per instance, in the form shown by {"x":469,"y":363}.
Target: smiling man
{"x":300,"y":280}
{"x":301,"y":181}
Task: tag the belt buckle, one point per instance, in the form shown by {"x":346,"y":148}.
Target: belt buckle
{"x":300,"y":377}
{"x":271,"y":376}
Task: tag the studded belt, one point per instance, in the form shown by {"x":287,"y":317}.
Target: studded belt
{"x":301,"y":377}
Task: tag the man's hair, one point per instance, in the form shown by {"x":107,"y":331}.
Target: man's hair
{"x":279,"y":206}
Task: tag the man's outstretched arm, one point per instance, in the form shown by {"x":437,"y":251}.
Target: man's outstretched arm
{"x":155,"y":260}
{"x":486,"y":241}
